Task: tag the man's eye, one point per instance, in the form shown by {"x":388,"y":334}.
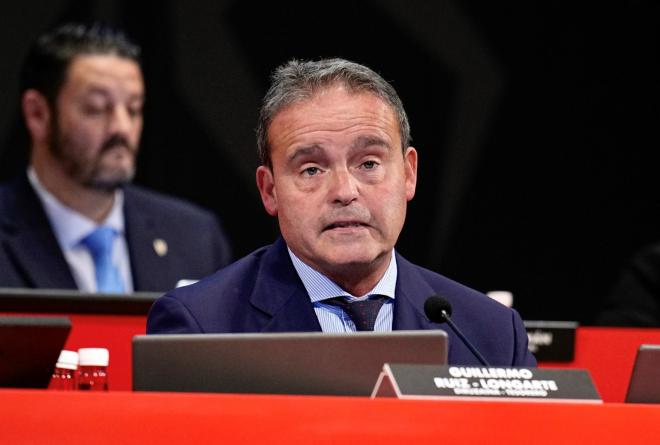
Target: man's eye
{"x":135,"y":111}
{"x":368,"y":165}
{"x":93,"y":109}
{"x":311,"y":171}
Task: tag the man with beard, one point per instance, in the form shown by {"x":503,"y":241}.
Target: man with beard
{"x":73,"y":220}
{"x":337,"y":170}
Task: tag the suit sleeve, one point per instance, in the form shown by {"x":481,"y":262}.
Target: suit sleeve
{"x":522,"y":355}
{"x":170,"y":316}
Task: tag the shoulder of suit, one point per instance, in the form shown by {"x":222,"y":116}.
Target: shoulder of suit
{"x":235,"y":279}
{"x":428,"y":275}
{"x":143,"y":198}
{"x":9,"y":189}
{"x":15,"y":196}
{"x":454,"y":291}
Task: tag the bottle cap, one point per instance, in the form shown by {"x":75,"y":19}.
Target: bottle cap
{"x":67,"y":360}
{"x":93,"y":357}
{"x":503,"y":296}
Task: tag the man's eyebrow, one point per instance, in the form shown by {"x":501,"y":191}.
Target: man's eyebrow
{"x":306,"y":150}
{"x":369,"y":141}
{"x":100,"y":91}
{"x":94,"y":90}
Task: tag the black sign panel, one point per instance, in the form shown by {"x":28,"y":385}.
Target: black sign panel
{"x":552,"y":341}
{"x":432,"y":381}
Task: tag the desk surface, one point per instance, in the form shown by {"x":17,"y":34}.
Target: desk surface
{"x":609,"y":355}
{"x":32,"y":416}
{"x":71,"y":301}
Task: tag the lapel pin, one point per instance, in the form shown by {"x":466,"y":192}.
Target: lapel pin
{"x":160,"y":247}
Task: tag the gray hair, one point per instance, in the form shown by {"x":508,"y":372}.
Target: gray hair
{"x":297,"y":80}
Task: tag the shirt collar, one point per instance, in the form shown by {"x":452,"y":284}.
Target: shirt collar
{"x":70,"y":226}
{"x":319,"y":287}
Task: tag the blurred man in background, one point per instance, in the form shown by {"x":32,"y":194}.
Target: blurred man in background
{"x":635,"y":298}
{"x":73,"y":220}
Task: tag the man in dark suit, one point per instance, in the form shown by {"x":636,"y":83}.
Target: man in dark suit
{"x":74,"y":220}
{"x":635,"y":298}
{"x":338,"y":171}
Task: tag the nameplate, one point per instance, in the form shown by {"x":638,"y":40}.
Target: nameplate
{"x":552,"y":341}
{"x":472,"y":382}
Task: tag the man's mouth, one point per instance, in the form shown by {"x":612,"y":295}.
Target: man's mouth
{"x":116,"y":147}
{"x":345,"y":225}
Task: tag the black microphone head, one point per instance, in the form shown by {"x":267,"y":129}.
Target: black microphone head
{"x":437,"y":309}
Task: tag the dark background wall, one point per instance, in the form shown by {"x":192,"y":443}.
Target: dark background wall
{"x":536,"y":123}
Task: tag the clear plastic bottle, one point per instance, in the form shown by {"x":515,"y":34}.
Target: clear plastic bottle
{"x":64,"y":376}
{"x":93,"y":369}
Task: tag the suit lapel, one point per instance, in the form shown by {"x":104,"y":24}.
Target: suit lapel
{"x":31,"y":241}
{"x":279,"y":292}
{"x":411,"y":293}
{"x":409,"y":310}
{"x":148,"y":268}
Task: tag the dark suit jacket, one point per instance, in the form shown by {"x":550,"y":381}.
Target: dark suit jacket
{"x":263,"y":293}
{"x":635,"y":298}
{"x":31,"y":257}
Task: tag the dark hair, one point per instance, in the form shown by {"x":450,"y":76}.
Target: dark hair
{"x":299,"y":80}
{"x":48,"y":60}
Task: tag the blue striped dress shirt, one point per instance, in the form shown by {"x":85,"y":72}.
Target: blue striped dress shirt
{"x":333,"y":319}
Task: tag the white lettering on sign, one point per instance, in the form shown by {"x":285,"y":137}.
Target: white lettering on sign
{"x":498,"y":373}
{"x":539,"y":338}
{"x":450,"y":383}
{"x":544,"y":385}
{"x":476,"y":392}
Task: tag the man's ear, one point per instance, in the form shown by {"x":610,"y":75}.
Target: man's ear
{"x":266,"y":186}
{"x":37,"y":115}
{"x":410,"y":166}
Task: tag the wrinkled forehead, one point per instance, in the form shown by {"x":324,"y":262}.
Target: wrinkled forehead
{"x":334,"y":116}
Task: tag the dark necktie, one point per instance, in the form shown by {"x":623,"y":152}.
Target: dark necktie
{"x":363,"y":313}
{"x":99,"y":243}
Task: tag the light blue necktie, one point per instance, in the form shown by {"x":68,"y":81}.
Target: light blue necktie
{"x":99,"y":243}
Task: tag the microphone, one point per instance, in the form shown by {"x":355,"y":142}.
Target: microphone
{"x":438,"y":310}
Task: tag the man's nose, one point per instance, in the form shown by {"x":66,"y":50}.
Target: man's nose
{"x":344,"y":187}
{"x":121,"y":121}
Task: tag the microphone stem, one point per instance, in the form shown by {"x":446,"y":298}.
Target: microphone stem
{"x":465,"y":340}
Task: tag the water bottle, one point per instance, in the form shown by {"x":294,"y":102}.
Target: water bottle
{"x":503,"y":296}
{"x":64,"y":376}
{"x":93,"y":369}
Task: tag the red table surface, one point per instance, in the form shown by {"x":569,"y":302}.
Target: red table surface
{"x":114,"y":332}
{"x":608,"y":354}
{"x":40,"y":416}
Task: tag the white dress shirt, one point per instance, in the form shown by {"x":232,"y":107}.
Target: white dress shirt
{"x":70,"y":227}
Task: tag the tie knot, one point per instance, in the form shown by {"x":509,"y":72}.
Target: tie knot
{"x":99,"y":242}
{"x":363,"y":312}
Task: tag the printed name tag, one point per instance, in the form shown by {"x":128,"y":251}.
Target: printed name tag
{"x":432,"y":381}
